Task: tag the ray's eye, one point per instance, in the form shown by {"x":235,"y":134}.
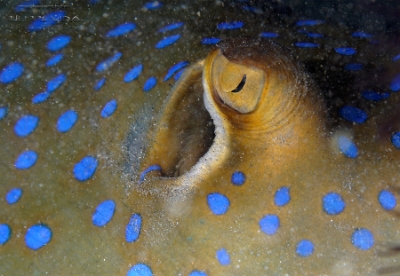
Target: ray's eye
{"x":240,"y":85}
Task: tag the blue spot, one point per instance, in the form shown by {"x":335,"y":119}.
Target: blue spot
{"x":37,"y":236}
{"x":59,"y":42}
{"x":5,"y":233}
{"x":353,"y":67}
{"x":306,"y":44}
{"x":374,"y":96}
{"x":230,"y":25}
{"x":67,"y":120}
{"x":396,"y":139}
{"x":395,"y":84}
{"x":121,"y":30}
{"x":85,"y":168}
{"x":3,"y":112}
{"x":223,"y":257}
{"x":46,"y":21}
{"x":11,"y":72}
{"x":134,"y":73}
{"x":218,"y":203}
{"x":167,"y":41}
{"x":13,"y":195}
{"x":108,"y":62}
{"x":305,"y":248}
{"x":347,"y":147}
{"x":103,"y":213}
{"x":238,"y":178}
{"x":153,"y":5}
{"x":309,"y":22}
{"x":387,"y":200}
{"x":197,"y":273}
{"x":361,"y":35}
{"x":56,"y":82}
{"x":315,"y":35}
{"x":109,"y":109}
{"x":26,"y":5}
{"x":333,"y":203}
{"x":269,"y":224}
{"x":252,"y":9}
{"x":347,"y":51}
{"x":54,"y":60}
{"x":362,"y":239}
{"x":99,"y":84}
{"x":146,"y":171}
{"x":171,"y":27}
{"x":133,"y":228}
{"x":353,"y":114}
{"x":396,"y":57}
{"x":40,"y":97}
{"x":140,"y":270}
{"x":26,"y":125}
{"x":210,"y":40}
{"x":179,"y":74}
{"x":175,"y":68}
{"x":149,"y":84}
{"x":268,"y":35}
{"x":26,"y":160}
{"x":282,"y":196}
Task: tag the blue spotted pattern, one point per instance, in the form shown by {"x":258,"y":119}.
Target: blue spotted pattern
{"x":24,"y":6}
{"x":223,"y":257}
{"x":197,"y":273}
{"x":11,"y":72}
{"x":218,"y":203}
{"x":46,"y":21}
{"x":67,"y":120}
{"x":361,"y":35}
{"x":269,"y":224}
{"x":149,"y":84}
{"x":305,"y":248}
{"x":396,"y":139}
{"x":387,"y":200}
{"x":175,"y":68}
{"x":269,"y":35}
{"x":103,"y":213}
{"x":374,"y":96}
{"x":59,"y":42}
{"x":179,"y":74}
{"x":167,"y":41}
{"x":133,"y":73}
{"x":40,"y":97}
{"x":26,"y":160}
{"x":395,"y":84}
{"x":99,"y":84}
{"x":13,"y":195}
{"x":153,"y":5}
{"x":230,"y":25}
{"x":26,"y":125}
{"x":354,"y":67}
{"x":171,"y":27}
{"x":210,"y":40}
{"x":282,"y":196}
{"x":85,"y":168}
{"x":147,"y":170}
{"x":353,"y":114}
{"x":309,"y":22}
{"x":306,"y":45}
{"x":109,"y":109}
{"x":133,"y":228}
{"x":362,"y":238}
{"x":238,"y":178}
{"x":5,"y":233}
{"x":3,"y":112}
{"x":38,"y":236}
{"x":333,"y":203}
{"x":347,"y":147}
{"x":108,"y":62}
{"x":121,"y":30}
{"x":140,"y":270}
{"x":347,"y":51}
{"x":54,"y":60}
{"x":56,"y":82}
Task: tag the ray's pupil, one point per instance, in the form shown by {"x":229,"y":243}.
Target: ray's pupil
{"x":240,"y":85}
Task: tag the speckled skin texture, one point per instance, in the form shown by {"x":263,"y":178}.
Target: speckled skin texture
{"x":179,"y":232}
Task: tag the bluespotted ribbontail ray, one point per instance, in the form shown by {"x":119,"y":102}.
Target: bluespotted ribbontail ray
{"x":169,"y":238}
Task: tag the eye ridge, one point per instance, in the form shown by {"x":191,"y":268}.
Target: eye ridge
{"x":240,"y":85}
